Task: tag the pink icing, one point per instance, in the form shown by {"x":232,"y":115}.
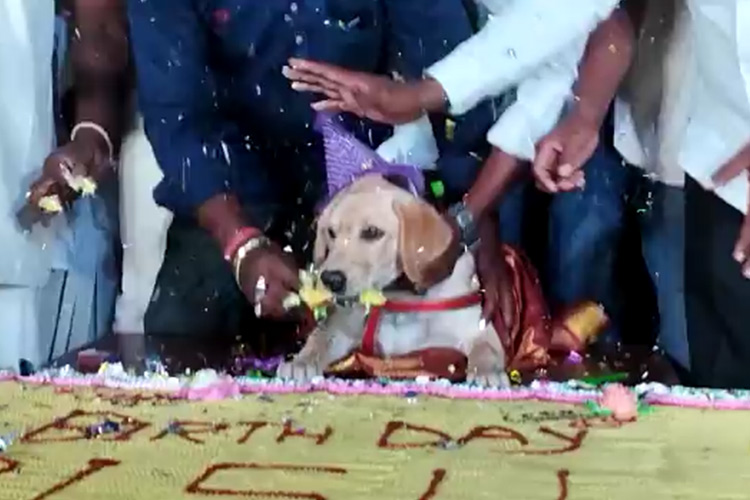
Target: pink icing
{"x":224,"y":389}
{"x":229,"y":388}
{"x":621,"y":401}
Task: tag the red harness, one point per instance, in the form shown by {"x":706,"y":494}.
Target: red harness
{"x":409,"y":306}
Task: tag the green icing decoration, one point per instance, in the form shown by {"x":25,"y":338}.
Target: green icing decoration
{"x":597,"y":410}
{"x":605,"y":379}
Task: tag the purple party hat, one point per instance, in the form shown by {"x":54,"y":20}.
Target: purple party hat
{"x":348,"y":159}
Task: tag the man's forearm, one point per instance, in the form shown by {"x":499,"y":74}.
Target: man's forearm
{"x":497,"y":175}
{"x":222,"y":217}
{"x":488,"y":226}
{"x":100,"y":56}
{"x":606,"y":61}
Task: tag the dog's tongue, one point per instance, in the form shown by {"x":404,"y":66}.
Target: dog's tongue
{"x":348,"y":159}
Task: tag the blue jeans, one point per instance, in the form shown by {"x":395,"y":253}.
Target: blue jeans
{"x":585,"y":233}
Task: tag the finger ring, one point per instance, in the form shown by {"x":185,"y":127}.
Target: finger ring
{"x":260,"y":293}
{"x":260,"y":289}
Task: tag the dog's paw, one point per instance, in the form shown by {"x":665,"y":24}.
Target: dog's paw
{"x":494,"y":379}
{"x":299,"y":371}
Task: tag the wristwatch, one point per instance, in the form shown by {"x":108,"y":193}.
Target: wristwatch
{"x":466,"y":225}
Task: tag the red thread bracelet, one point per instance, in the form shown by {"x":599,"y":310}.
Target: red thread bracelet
{"x":240,"y":237}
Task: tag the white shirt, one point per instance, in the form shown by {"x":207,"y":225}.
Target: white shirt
{"x":657,"y":79}
{"x":713,"y":96}
{"x":26,"y":131}
{"x":534,"y":45}
{"x":531,"y":45}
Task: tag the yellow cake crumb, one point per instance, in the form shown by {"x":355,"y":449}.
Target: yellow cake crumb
{"x":51,"y":204}
{"x":371,"y":298}
{"x":84,"y":185}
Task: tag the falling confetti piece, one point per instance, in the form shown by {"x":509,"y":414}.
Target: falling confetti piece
{"x":437,"y":188}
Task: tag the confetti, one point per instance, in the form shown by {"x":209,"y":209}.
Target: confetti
{"x":106,"y":427}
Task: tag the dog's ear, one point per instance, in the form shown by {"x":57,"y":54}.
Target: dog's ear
{"x":320,"y":246}
{"x":423,"y":237}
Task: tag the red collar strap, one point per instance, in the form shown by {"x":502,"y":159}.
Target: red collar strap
{"x":412,"y":306}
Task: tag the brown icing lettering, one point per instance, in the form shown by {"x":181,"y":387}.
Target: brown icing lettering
{"x":252,"y":427}
{"x":562,"y":480}
{"x":94,"y":466}
{"x":70,"y":427}
{"x":8,"y":465}
{"x":438,"y":475}
{"x":596,"y":423}
{"x":130,"y":398}
{"x":494,"y":432}
{"x":573,"y":443}
{"x":393,"y":427}
{"x":188,"y":429}
{"x":290,"y":431}
{"x":197,"y":488}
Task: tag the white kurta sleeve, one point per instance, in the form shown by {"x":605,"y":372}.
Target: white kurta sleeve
{"x":512,"y":45}
{"x":413,"y":144}
{"x":540,"y":100}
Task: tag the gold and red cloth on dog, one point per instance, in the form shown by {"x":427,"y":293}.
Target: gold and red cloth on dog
{"x":532,"y":340}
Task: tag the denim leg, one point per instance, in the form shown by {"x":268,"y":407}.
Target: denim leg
{"x":584,"y":233}
{"x":663,"y":237}
{"x":510,"y":213}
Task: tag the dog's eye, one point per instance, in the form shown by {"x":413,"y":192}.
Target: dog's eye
{"x":371,"y":233}
{"x":331,"y":233}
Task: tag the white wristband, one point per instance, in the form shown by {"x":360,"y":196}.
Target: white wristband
{"x":98,"y":129}
{"x":246,"y":248}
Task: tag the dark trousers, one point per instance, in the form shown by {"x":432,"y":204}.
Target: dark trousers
{"x":589,"y":235}
{"x":195,"y":292}
{"x":718,"y":296}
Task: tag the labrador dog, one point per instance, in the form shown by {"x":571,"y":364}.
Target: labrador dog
{"x":370,"y":235}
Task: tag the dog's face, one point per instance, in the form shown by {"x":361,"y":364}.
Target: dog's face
{"x":372,"y":232}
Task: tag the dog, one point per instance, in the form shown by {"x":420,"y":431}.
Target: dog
{"x":371,"y":234}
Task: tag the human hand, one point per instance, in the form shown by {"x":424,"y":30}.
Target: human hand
{"x":366,"y":95}
{"x":72,"y":170}
{"x":267,"y":276}
{"x":735,"y":166}
{"x":563,"y":152}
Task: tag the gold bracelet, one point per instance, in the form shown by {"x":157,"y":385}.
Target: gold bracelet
{"x":243,"y":251}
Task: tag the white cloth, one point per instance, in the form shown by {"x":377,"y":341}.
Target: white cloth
{"x":44,"y":311}
{"x":662,"y":64}
{"x":710,"y":110}
{"x":412,"y":144}
{"x":27,"y":34}
{"x":143,"y":228}
{"x":534,"y":45}
{"x":719,"y":124}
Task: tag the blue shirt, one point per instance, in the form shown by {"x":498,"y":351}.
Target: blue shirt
{"x":220,"y":115}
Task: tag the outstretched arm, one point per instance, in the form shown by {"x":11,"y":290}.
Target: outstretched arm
{"x":606,"y":59}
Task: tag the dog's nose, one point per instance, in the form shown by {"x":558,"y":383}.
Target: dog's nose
{"x":334,"y":280}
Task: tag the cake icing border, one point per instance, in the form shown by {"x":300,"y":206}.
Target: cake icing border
{"x":563,"y":392}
